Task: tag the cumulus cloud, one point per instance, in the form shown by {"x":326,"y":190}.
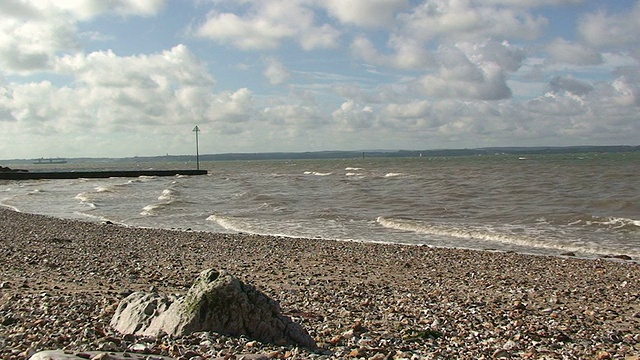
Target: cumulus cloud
{"x":534,"y":3}
{"x":32,"y":33}
{"x":569,"y":84}
{"x":605,"y":30}
{"x":408,"y":53}
{"x":558,"y":105}
{"x":473,"y":71}
{"x":625,"y":93}
{"x":467,"y":20}
{"x":113,"y":92}
{"x":366,"y":13}
{"x":426,"y":74}
{"x":563,"y":51}
{"x":276,"y":72}
{"x":267,"y":24}
{"x":352,"y":116}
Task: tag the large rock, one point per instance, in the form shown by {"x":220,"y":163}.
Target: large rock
{"x":218,"y":302}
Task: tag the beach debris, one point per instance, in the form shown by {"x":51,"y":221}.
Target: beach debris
{"x":218,"y":302}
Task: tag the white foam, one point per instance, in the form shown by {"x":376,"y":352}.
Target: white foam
{"x":103,"y":189}
{"x":10,"y":207}
{"x":167,"y":194}
{"x":228,"y":223}
{"x":150,"y":210}
{"x":85,"y":199}
{"x":486,"y":234}
{"x":316,"y":173}
{"x":393,"y":174}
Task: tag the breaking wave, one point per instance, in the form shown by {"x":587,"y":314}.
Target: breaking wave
{"x":229,"y":223}
{"x":316,"y":173}
{"x":488,"y":234}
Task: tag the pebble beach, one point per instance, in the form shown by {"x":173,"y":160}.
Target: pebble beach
{"x":61,"y":281}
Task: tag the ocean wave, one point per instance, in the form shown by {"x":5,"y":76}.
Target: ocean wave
{"x":393,"y":174}
{"x":86,"y":199}
{"x":98,"y":218}
{"x":349,"y":168}
{"x":141,"y":179}
{"x":104,"y":189}
{"x":151,"y":209}
{"x":487,"y":234}
{"x":316,"y":173}
{"x":609,"y":223}
{"x":10,"y":207}
{"x":168,"y":195}
{"x":229,"y":223}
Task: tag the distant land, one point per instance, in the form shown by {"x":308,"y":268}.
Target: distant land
{"x":359,"y":154}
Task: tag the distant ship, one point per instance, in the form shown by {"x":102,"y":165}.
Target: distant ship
{"x":50,"y":161}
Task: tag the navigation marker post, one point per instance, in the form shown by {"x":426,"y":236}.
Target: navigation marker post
{"x":197,"y":130}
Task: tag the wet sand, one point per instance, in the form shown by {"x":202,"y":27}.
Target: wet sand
{"x":62,"y":279}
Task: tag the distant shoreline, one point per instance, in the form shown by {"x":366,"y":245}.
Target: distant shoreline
{"x":342,"y":154}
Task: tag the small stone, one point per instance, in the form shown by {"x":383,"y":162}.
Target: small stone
{"x":335,"y":340}
{"x":139,"y":348}
{"x":518,"y":305}
{"x":348,"y":334}
{"x":509,"y":345}
{"x":501,"y":354}
{"x":103,"y":356}
{"x":378,"y":356}
{"x":357,"y":352}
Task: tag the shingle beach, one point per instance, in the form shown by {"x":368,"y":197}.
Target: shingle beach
{"x":61,"y":281}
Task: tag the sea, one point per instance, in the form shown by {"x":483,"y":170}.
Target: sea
{"x":585,"y":205}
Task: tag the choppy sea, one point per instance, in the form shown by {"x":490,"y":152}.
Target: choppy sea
{"x":588,"y":204}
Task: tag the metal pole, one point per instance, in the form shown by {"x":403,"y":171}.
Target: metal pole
{"x":197,"y":130}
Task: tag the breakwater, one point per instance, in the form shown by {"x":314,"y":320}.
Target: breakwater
{"x":36,"y":175}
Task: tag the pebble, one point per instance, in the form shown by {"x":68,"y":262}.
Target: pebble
{"x":371,"y":301}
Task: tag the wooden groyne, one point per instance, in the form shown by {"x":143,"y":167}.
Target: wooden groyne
{"x":36,"y":175}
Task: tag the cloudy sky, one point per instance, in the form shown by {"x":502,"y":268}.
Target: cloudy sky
{"x":124,"y":78}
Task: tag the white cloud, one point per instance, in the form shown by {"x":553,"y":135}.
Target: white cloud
{"x":276,"y":72}
{"x":436,"y":73}
{"x":533,"y":3}
{"x":468,"y":20}
{"x":86,"y":9}
{"x":366,"y":13}
{"x":557,"y":105}
{"x":473,"y":71}
{"x":570,"y":84}
{"x":267,"y":24}
{"x":608,"y":31}
{"x":409,"y":54}
{"x":563,"y":51}
{"x":113,"y":92}
{"x":354,"y":117}
{"x":625,"y":93}
{"x":32,"y":33}
{"x":28,"y":46}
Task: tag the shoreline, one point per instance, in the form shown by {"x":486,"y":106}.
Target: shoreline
{"x":356,"y":299}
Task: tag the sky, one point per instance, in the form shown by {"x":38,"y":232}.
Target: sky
{"x":120,"y":78}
